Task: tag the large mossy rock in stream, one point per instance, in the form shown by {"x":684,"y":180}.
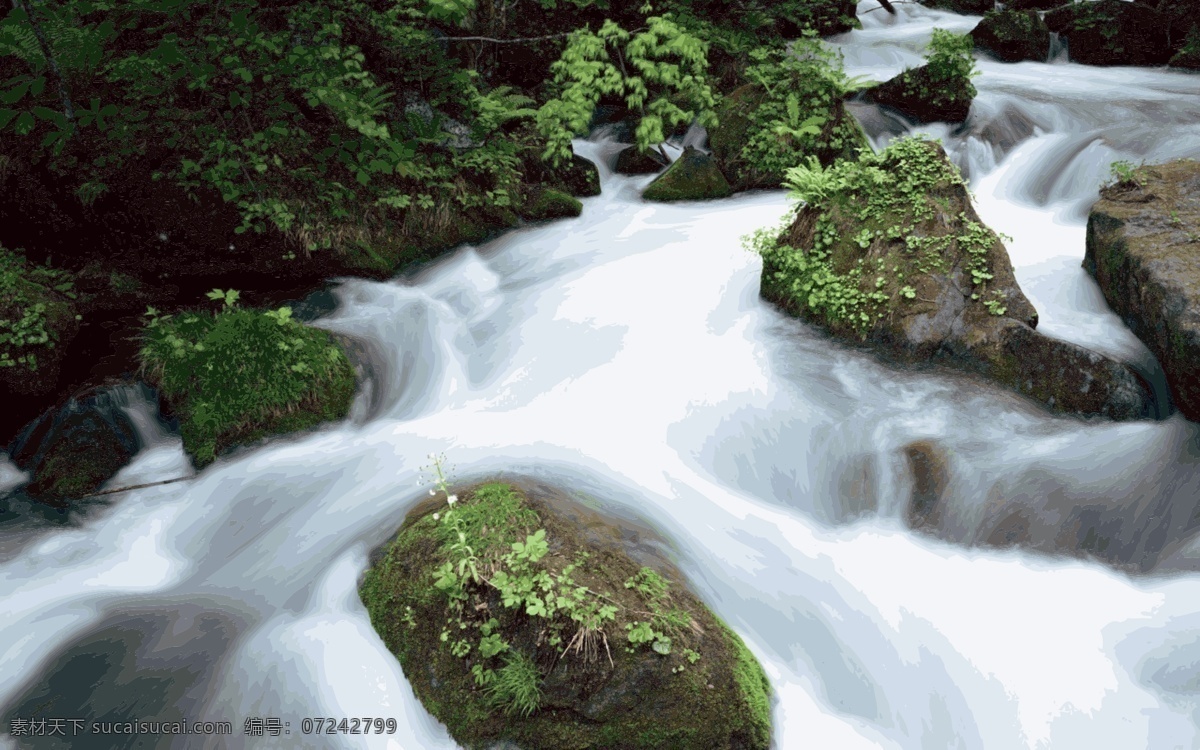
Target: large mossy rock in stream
{"x":1143,"y":248}
{"x":694,"y":176}
{"x":547,"y":626}
{"x":75,"y":448}
{"x":1013,"y":36}
{"x":1113,"y":32}
{"x":922,"y":95}
{"x":239,"y":375}
{"x":888,"y":251}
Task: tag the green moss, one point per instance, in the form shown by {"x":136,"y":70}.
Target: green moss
{"x":468,"y":653}
{"x":240,"y":375}
{"x":551,"y":204}
{"x":895,"y":203}
{"x":753,"y":685}
{"x":693,"y":176}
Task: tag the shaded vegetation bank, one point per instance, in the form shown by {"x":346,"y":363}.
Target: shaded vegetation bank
{"x":151,"y":151}
{"x":520,"y":615}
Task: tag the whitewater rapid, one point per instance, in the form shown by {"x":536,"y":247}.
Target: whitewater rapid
{"x":626,"y":355}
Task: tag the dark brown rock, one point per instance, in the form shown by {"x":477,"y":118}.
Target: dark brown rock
{"x":73,"y":449}
{"x":1013,"y":36}
{"x":1113,"y":32}
{"x":1143,"y":248}
{"x":916,"y":94}
{"x":930,"y":480}
{"x":693,"y":176}
{"x":631,"y":160}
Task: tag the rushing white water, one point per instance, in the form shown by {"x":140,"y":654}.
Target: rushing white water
{"x":626,"y":355}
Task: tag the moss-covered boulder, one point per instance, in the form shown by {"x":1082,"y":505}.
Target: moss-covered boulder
{"x":236,"y":376}
{"x":965,"y":7}
{"x":889,"y":252}
{"x":543,"y":627}
{"x":75,"y":448}
{"x":547,"y":203}
{"x":1013,"y":35}
{"x":938,"y":91}
{"x":38,"y":319}
{"x":694,"y":176}
{"x":1113,"y":32}
{"x":1143,"y":248}
{"x":580,"y":177}
{"x":633,"y":160}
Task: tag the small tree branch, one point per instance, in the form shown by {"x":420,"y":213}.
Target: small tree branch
{"x":523,"y":40}
{"x":887,"y":5}
{"x":136,"y":487}
{"x":60,"y":82}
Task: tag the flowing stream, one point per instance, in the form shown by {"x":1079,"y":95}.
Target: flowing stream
{"x":626,"y":355}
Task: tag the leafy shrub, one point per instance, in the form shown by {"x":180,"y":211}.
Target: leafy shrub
{"x":33,"y":309}
{"x":950,"y":60}
{"x":238,"y":374}
{"x":291,"y":114}
{"x":801,"y":112}
{"x":650,"y":71}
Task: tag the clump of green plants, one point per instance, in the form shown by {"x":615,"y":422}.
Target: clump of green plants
{"x":950,"y":64}
{"x":1122,"y":173}
{"x":34,"y":308}
{"x":793,"y":109}
{"x":875,"y":225}
{"x":653,"y":71}
{"x":235,"y":375}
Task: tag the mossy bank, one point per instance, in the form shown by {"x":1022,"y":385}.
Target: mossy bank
{"x":520,"y":616}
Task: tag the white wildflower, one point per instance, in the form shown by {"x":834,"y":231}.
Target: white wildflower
{"x":437,"y":516}
{"x":452,"y":499}
{"x":432,"y":493}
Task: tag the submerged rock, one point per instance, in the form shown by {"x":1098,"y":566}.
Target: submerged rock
{"x":1143,"y":248}
{"x":1112,"y":32}
{"x":1013,"y":36}
{"x":633,"y":160}
{"x":73,"y":449}
{"x":558,"y":629}
{"x":693,"y":176}
{"x":888,"y":251}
